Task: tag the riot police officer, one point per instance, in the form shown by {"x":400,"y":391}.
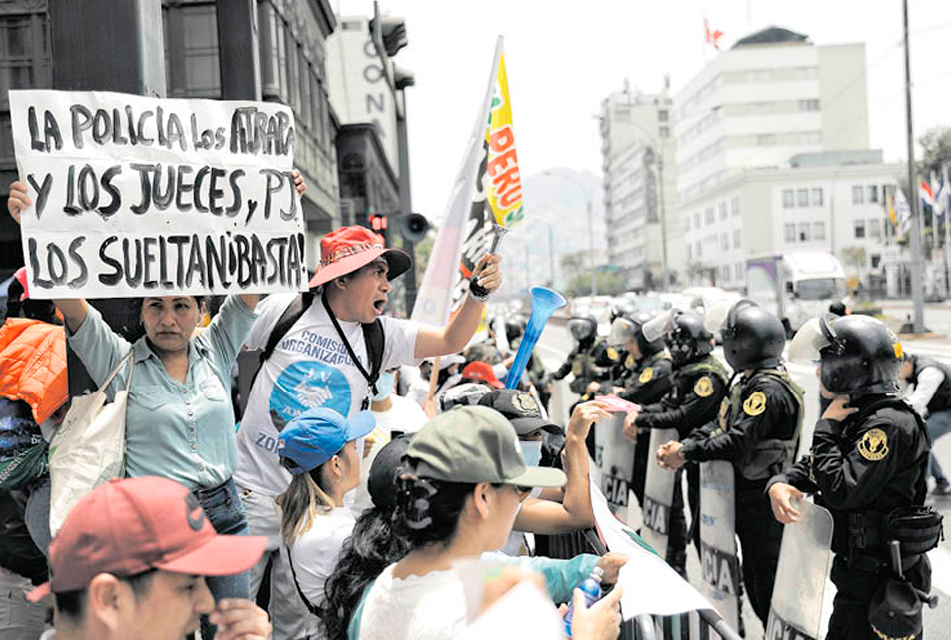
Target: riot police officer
{"x":698,"y":385}
{"x":581,"y":361}
{"x":758,"y":431}
{"x":646,"y":376}
{"x":867,"y":466}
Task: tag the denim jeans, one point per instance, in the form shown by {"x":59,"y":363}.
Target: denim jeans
{"x":223,"y":507}
{"x":289,"y":616}
{"x":939,"y":423}
{"x":19,"y":618}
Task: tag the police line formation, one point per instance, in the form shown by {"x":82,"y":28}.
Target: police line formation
{"x":354,"y":506}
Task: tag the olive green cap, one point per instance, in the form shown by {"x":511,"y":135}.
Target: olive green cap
{"x":476,"y":444}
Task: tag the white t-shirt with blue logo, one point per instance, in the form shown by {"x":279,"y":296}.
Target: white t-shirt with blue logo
{"x":310,"y":368}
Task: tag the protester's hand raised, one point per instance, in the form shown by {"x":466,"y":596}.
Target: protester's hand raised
{"x":487,"y":273}
{"x":18,"y":200}
{"x":601,"y":622}
{"x":611,"y":564}
{"x":240,"y":619}
{"x":584,"y":415}
{"x":299,"y":182}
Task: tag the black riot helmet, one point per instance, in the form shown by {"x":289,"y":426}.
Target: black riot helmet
{"x":583,"y":328}
{"x":622,"y":308}
{"x":753,"y":338}
{"x":514,"y":328}
{"x":631,"y":325}
{"x":858,"y":354}
{"x":687,"y":338}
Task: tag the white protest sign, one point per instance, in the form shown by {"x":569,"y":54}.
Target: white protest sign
{"x":650,"y":584}
{"x":137,"y":196}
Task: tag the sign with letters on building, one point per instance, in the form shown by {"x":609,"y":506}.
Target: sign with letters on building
{"x":136,"y":196}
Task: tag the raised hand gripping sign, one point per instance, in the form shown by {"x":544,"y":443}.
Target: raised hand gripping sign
{"x":138,"y":196}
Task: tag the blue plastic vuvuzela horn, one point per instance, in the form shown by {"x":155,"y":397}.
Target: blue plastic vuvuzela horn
{"x":544,"y":303}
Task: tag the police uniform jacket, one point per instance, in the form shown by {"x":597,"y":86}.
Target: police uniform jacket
{"x":870,"y":463}
{"x":648,"y":379}
{"x":695,"y":395}
{"x":757,"y":429}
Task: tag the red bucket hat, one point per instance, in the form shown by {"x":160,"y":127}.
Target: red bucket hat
{"x":125,"y":527}
{"x":346,"y":249}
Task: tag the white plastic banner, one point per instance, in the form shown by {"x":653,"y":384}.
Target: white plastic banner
{"x":137,"y":196}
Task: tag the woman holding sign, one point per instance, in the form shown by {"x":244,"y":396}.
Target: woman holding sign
{"x":179,"y":420}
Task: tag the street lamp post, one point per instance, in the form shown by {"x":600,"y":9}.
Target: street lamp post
{"x":587,"y":200}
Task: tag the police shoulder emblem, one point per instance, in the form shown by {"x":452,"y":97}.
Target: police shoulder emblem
{"x":613,"y":355}
{"x":873,"y":445}
{"x":703,"y":387}
{"x":755,"y":404}
{"x":646,"y":375}
{"x":629,"y":361}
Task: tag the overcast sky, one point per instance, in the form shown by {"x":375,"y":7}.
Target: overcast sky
{"x":564,"y":57}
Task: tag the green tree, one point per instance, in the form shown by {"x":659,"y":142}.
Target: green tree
{"x":936,"y":151}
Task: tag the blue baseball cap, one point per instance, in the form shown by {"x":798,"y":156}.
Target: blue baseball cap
{"x":317,"y":435}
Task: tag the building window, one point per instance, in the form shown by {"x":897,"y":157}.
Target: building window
{"x":740,"y":271}
{"x":696,"y":219}
{"x":876,"y":260}
{"x":874,"y":228}
{"x":802,"y":197}
{"x":689,"y":252}
{"x":818,"y":230}
{"x":662,"y":115}
{"x":725,"y":242}
{"x":808,"y":105}
{"x":765,"y":139}
{"x":759,"y":75}
{"x":735,"y":205}
{"x":273,"y":44}
{"x":737,"y":233}
{"x":665,"y":132}
{"x":709,"y":216}
{"x":859,"y":229}
{"x":816,"y":196}
{"x":725,"y":272}
{"x":857,"y":195}
{"x":804,"y":232}
{"x":699,"y":248}
{"x":788,"y":199}
{"x":687,"y":223}
{"x":873,"y":193}
{"x":306,"y":106}
{"x":789,"y":232}
{"x":24,"y":64}
{"x":723,"y":213}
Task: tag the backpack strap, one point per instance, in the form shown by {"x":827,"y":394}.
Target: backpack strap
{"x":288,"y":319}
{"x":307,"y":603}
{"x":375,"y":340}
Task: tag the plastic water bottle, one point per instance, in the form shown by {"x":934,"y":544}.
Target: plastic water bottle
{"x":591,"y":587}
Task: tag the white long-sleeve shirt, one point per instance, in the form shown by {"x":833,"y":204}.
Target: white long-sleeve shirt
{"x":929,"y":380}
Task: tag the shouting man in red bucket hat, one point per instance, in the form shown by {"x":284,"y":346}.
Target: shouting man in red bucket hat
{"x":325,"y":349}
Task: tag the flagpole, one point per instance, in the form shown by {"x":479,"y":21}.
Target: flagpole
{"x":946,"y":219}
{"x":914,"y":204}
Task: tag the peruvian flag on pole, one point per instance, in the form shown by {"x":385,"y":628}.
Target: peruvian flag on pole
{"x":927,"y":196}
{"x":712,"y":35}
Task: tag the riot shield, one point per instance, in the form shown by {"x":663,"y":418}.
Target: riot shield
{"x":659,"y":486}
{"x":616,"y":455}
{"x":719,"y":563}
{"x":804,"y":559}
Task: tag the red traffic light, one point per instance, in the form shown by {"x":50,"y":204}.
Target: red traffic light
{"x":377,"y":223}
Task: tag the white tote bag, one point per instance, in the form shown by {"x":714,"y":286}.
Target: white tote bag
{"x":88,"y":449}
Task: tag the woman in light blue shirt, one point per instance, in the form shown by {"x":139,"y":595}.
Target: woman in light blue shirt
{"x":179,"y":419}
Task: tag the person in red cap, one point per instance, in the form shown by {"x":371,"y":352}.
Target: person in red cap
{"x":130,"y":562}
{"x":483,"y":372}
{"x":329,"y":356}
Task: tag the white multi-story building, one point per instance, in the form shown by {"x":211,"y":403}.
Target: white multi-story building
{"x":834,"y":201}
{"x":770,"y":97}
{"x":639,"y":187}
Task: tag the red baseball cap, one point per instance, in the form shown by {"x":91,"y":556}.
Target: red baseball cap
{"x":125,"y":527}
{"x":482,"y":371}
{"x":346,"y":249}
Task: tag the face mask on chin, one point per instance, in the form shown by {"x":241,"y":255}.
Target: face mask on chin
{"x":384,"y":386}
{"x":531,"y":451}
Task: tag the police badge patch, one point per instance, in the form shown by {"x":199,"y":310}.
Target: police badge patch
{"x":629,"y":361}
{"x":703,"y":387}
{"x":646,"y":375}
{"x":613,"y":355}
{"x":874,"y":445}
{"x":755,"y":404}
{"x":526,"y":402}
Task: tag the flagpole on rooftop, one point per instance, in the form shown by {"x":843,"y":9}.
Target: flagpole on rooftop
{"x":914,"y":198}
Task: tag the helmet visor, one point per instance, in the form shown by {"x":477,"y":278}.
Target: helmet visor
{"x":580,"y":328}
{"x":715,"y":318}
{"x":805,"y":346}
{"x":658,"y":327}
{"x":622,"y":330}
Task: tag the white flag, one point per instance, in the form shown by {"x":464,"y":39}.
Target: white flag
{"x":902,"y":212}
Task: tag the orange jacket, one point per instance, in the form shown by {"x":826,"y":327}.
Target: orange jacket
{"x":33,"y":365}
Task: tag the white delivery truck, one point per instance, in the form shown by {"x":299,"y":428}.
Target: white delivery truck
{"x":797,"y":285}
